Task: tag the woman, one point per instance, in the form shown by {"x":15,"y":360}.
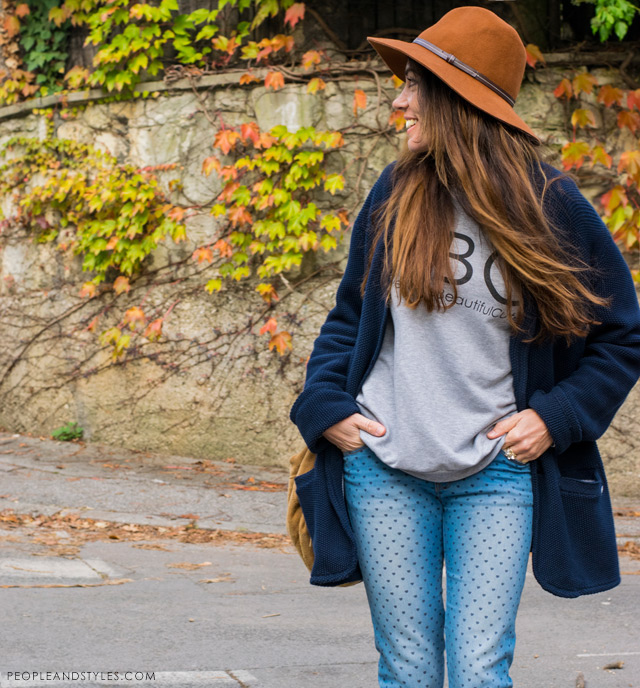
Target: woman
{"x":460,"y":430}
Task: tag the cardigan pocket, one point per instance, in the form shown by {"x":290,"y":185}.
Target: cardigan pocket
{"x":581,"y":487}
{"x":575,"y":550}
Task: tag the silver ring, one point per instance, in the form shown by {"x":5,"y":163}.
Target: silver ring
{"x":510,"y":454}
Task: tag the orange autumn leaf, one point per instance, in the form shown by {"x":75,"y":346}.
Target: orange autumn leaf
{"x":598,"y":154}
{"x":397,"y":119}
{"x":266,"y":140}
{"x":281,"y":342}
{"x":583,"y":82}
{"x":629,"y":119}
{"x":225,"y":140}
{"x":573,"y":154}
{"x":88,"y":289}
{"x":112,"y":243}
{"x":92,"y":326}
{"x":398,"y":83}
{"x":564,"y":89}
{"x":334,"y":139}
{"x":583,"y":118}
{"x":11,"y":25}
{"x":294,"y":14}
{"x":228,"y":173}
{"x":274,"y":80}
{"x":121,"y":285}
{"x":154,"y":329}
{"x":281,"y":41}
{"x":133,"y":317}
{"x":247,"y":78}
{"x":227,"y":192}
{"x":22,"y":10}
{"x":203,"y":254}
{"x":359,"y":100}
{"x":268,"y":292}
{"x":250,"y":132}
{"x":613,"y":198}
{"x":209,"y":164}
{"x":316,"y":85}
{"x":630,"y":163}
{"x":609,"y":95}
{"x":310,"y":58}
{"x":344,"y":217}
{"x":239,"y":215}
{"x":223,"y":248}
{"x":270,"y":326}
{"x":534,"y":54}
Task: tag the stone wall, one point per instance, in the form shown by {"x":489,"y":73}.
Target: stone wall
{"x":228,"y":396}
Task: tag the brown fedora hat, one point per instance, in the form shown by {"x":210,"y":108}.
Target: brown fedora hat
{"x":473,"y":51}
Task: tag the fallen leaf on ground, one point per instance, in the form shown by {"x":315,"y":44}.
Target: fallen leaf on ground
{"x":630,"y":548}
{"x":224,"y":578}
{"x":188,"y":566}
{"x":85,"y":530}
{"x":119,"y":581}
{"x":614,"y":665}
{"x":150,"y":545}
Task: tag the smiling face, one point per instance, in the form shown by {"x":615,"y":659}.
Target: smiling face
{"x":409,"y":102}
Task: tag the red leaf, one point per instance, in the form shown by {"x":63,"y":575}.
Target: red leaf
{"x":633,"y":99}
{"x":294,"y":14}
{"x":564,"y":89}
{"x":250,"y":132}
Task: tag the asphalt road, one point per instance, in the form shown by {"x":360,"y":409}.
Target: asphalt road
{"x":116,"y":561}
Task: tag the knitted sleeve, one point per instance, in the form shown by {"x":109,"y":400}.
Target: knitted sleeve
{"x":324,"y":401}
{"x":581,"y":406}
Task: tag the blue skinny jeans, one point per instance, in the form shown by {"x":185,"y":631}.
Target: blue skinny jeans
{"x":406,"y":529}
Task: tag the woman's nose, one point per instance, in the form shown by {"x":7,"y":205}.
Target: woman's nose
{"x":400,"y":103}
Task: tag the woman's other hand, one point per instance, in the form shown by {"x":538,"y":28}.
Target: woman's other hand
{"x":346,"y":434}
{"x":526,"y":435}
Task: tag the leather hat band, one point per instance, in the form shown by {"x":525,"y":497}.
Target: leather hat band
{"x":452,"y":59}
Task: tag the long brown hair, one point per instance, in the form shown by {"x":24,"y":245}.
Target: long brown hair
{"x":486,"y":167}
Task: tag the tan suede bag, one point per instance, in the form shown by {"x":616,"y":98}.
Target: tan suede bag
{"x":301,"y":463}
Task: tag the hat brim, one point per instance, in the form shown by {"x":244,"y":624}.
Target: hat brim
{"x":395,"y":53}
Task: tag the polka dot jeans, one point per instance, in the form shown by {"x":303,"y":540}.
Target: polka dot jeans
{"x":406,"y":529}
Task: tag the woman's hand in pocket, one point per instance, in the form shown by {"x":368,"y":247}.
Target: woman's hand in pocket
{"x":525,"y":434}
{"x":346,"y":434}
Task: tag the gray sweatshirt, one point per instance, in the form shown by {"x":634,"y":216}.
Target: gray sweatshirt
{"x":443,"y":379}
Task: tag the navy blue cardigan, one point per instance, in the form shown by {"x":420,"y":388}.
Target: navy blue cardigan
{"x":576,"y":390}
